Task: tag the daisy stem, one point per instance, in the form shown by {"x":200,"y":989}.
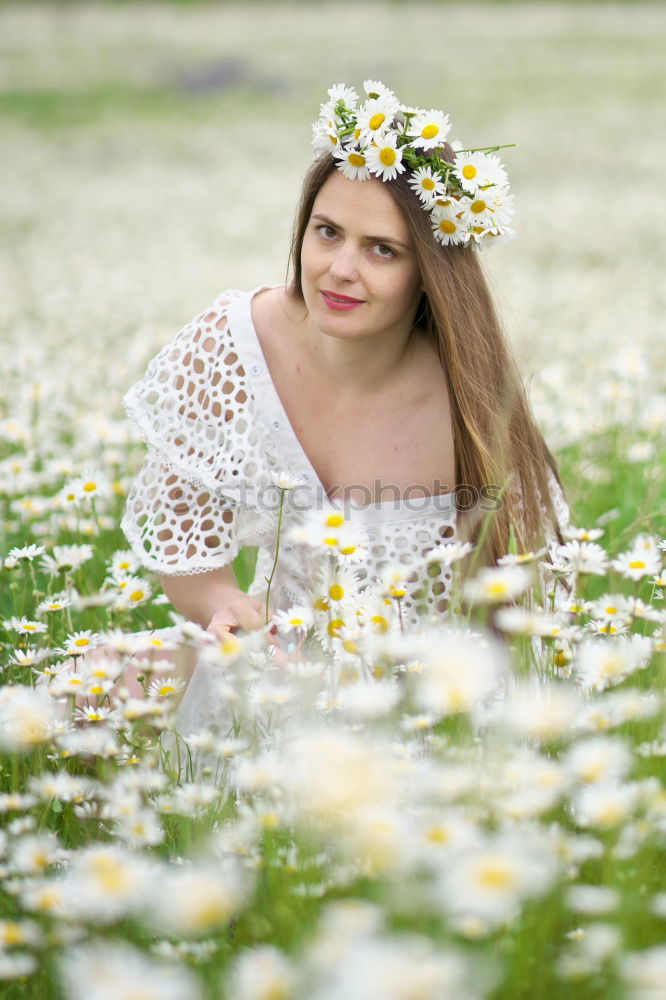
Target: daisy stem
{"x":269,"y":580}
{"x":486,"y":149}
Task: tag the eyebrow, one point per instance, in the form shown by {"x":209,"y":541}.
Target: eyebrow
{"x":371,"y":239}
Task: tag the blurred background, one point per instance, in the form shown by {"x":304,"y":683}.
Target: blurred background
{"x":152,"y":155}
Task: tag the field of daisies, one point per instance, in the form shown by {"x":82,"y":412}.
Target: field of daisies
{"x":471,"y":808}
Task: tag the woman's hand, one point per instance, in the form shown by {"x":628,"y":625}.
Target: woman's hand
{"x":242,"y":612}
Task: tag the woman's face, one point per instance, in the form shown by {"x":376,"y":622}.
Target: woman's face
{"x":358,"y":267}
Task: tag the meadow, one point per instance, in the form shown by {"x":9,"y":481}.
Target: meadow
{"x":374,"y":820}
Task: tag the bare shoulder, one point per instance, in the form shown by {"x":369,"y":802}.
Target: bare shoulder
{"x":273,"y":311}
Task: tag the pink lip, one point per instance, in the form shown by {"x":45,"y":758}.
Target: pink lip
{"x":340,"y":302}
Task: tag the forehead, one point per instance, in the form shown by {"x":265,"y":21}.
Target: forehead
{"x":363,"y":206}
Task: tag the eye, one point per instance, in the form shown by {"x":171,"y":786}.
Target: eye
{"x":326,"y":232}
{"x":384,"y":251}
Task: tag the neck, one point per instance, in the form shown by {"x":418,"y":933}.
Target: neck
{"x":363,"y":364}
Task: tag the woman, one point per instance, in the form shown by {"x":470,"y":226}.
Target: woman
{"x":378,"y":376}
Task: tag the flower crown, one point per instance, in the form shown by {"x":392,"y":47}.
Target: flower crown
{"x":468,"y":200}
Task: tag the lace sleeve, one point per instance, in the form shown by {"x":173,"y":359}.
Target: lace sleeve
{"x":188,"y":508}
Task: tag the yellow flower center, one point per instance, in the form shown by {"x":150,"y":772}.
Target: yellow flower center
{"x":89,"y":487}
{"x":321,"y":604}
{"x":469,"y":171}
{"x":336,"y":592}
{"x":166,"y":689}
{"x":137,"y":595}
{"x":12,"y":933}
{"x":447,"y":226}
{"x":348,"y":675}
{"x":398,"y":592}
{"x":478,"y":206}
{"x":380,"y":623}
{"x":348,"y":550}
{"x":349,"y":645}
{"x":636,"y":564}
{"x":296,"y":621}
{"x":334,"y":626}
{"x":82,"y":642}
{"x":29,"y":628}
{"x":429,"y":132}
{"x":94,"y":717}
{"x":387,"y":156}
{"x":334,"y":140}
{"x":496,"y":876}
{"x":334,"y":521}
{"x":427,"y":183}
{"x":377,"y":121}
{"x":356,"y":160}
{"x":496,"y":589}
{"x":357,"y":133}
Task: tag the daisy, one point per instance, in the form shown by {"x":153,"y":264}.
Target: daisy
{"x":298,"y":618}
{"x":385,"y":159}
{"x":261,"y":971}
{"x":339,"y":92}
{"x":57,"y":602}
{"x":448,"y":552}
{"x":427,"y":185}
{"x":66,"y":557}
{"x":93,"y":714}
{"x":580,"y":557}
{"x":353,"y":164}
{"x":123,"y":561}
{"x":497,"y":584}
{"x":374,"y":119}
{"x":429,"y":129}
{"x":581,"y":534}
{"x":166,"y":688}
{"x":28,"y":552}
{"x":609,"y":606}
{"x":475,"y":170}
{"x":338,"y":584}
{"x":449,"y":225}
{"x":375,"y":89}
{"x":80,"y":642}
{"x":325,"y":135}
{"x":638,"y":563}
{"x":24,"y":626}
{"x":285,"y":480}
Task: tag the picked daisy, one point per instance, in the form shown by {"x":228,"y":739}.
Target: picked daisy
{"x":374,"y":118}
{"x":475,"y":170}
{"x":449,"y":224}
{"x":429,"y":129}
{"x":384,"y":158}
{"x":353,"y":163}
{"x":427,"y":185}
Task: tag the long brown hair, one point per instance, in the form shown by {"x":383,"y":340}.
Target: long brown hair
{"x":497,"y":443}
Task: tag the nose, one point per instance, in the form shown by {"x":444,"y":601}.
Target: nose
{"x":344,"y":265}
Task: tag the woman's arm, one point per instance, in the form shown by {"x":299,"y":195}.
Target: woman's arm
{"x":213,"y":599}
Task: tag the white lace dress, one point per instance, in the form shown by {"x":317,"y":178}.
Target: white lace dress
{"x":216,"y":429}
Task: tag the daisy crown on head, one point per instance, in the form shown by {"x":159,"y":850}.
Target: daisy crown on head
{"x":467,"y":196}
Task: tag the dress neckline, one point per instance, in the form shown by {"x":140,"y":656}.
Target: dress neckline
{"x":245,"y":336}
